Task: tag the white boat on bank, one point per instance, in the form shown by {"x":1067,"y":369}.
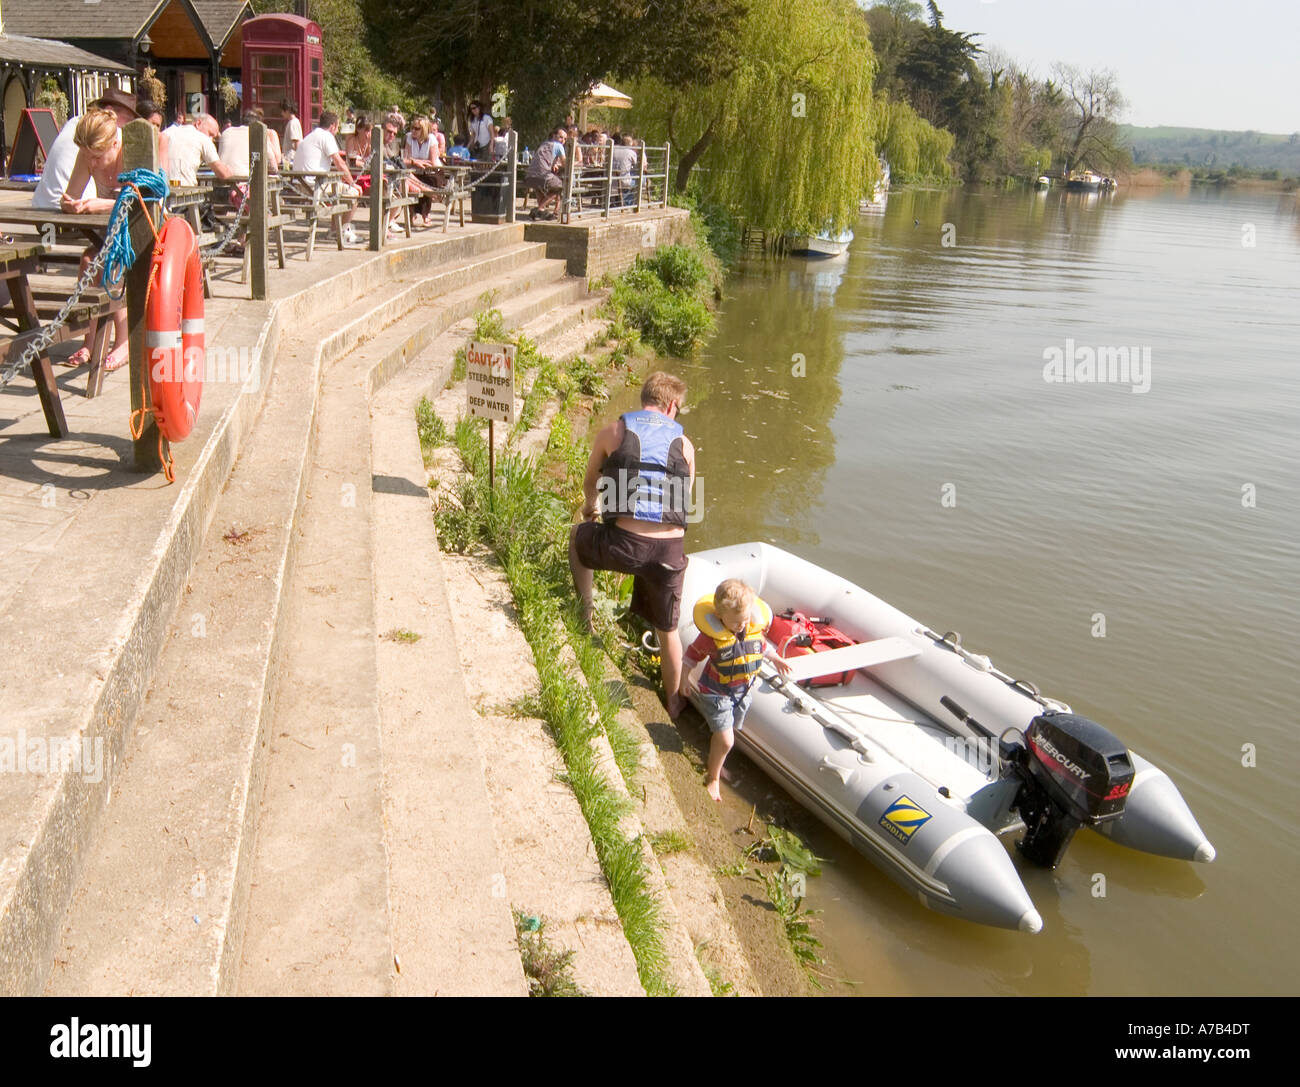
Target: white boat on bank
{"x":875,"y":203}
{"x":929,"y":752}
{"x":824,"y":244}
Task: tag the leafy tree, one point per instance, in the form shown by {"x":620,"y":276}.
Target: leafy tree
{"x":914,"y":148}
{"x":351,"y":75}
{"x":547,"y":52}
{"x":785,"y":140}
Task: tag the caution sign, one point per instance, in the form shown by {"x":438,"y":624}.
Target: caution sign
{"x":490,"y":381}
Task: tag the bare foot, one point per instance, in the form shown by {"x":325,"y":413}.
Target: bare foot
{"x":117,"y":358}
{"x":714,"y":789}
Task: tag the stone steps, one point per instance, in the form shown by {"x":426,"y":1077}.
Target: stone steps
{"x":174,"y":876}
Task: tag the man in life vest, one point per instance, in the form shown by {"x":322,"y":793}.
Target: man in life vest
{"x":732,"y":646}
{"x":639,"y":479}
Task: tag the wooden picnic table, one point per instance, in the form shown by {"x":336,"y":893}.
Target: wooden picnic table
{"x":16,"y":263}
{"x":94,"y":226}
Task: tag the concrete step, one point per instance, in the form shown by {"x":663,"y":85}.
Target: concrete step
{"x":175,"y":925}
{"x":101,"y":653}
{"x":548,"y":864}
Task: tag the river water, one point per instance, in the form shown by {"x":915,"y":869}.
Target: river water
{"x":1129,"y":545}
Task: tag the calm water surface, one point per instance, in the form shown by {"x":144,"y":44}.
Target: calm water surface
{"x":1171,"y":516}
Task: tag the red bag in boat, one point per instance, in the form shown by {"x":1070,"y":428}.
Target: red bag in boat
{"x":794,"y":634}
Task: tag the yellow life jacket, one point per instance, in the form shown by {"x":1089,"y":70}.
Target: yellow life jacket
{"x":737,"y":659}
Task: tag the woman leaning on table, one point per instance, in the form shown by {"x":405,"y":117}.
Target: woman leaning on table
{"x":100,"y":159}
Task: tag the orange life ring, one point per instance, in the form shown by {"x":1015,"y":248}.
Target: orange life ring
{"x":174,"y":330}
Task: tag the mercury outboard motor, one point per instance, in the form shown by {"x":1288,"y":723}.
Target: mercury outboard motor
{"x":1073,"y":772}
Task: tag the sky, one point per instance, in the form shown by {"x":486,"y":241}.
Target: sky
{"x":1189,"y":63}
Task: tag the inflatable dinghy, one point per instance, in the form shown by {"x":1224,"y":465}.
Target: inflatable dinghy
{"x":928,"y":752}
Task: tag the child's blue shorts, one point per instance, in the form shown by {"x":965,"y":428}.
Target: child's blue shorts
{"x":722,"y":711}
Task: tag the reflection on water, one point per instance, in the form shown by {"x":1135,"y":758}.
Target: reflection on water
{"x":1167,"y":519}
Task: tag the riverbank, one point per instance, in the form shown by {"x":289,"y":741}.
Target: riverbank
{"x":712,"y":864}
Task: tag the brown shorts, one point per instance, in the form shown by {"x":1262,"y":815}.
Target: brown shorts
{"x":658,"y":565}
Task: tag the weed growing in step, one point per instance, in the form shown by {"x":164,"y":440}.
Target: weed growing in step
{"x":787,"y":848}
{"x":783,"y":891}
{"x":432,"y":430}
{"x":404,"y":637}
{"x":548,"y":970}
{"x":717,"y":985}
{"x":668,"y":842}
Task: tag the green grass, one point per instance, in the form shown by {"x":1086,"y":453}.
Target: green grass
{"x":717,"y":985}
{"x":663,"y":298}
{"x":526,"y":525}
{"x":405,"y":637}
{"x":432,"y":430}
{"x":668,"y":842}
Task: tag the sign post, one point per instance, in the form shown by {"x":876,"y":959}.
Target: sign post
{"x":490,"y":391}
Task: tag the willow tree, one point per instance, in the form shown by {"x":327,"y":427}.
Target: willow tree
{"x":785,"y":140}
{"x":914,"y":148}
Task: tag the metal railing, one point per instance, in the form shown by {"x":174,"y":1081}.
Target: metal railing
{"x":593,"y":187}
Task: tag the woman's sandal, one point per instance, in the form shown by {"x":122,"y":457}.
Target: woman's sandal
{"x":80,"y":357}
{"x":114,"y":361}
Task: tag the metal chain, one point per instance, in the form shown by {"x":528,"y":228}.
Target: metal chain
{"x":49,"y":333}
{"x":495,"y":166}
{"x":217,"y":247}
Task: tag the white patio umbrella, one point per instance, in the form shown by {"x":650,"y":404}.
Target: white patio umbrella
{"x":601,"y":95}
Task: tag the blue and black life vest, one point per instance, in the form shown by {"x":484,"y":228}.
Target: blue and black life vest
{"x":647,"y":476}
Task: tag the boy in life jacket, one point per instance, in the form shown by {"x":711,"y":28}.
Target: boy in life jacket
{"x":732,"y":647}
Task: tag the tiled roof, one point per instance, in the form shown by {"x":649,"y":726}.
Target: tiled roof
{"x":53,"y":19}
{"x":219,"y":17}
{"x":40,"y":53}
{"x":114,"y":19}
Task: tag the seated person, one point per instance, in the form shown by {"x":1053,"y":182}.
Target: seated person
{"x":458,"y":150}
{"x":100,"y":141}
{"x":543,"y":176}
{"x":189,"y":147}
{"x":627,"y":161}
{"x":421,"y":154}
{"x":319,"y":153}
{"x":357,"y":147}
{"x":65,"y":153}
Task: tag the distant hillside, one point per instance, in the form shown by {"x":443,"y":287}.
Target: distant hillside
{"x":1211,"y":147}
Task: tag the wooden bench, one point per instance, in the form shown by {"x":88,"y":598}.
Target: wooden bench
{"x":49,"y":293}
{"x":321,"y":203}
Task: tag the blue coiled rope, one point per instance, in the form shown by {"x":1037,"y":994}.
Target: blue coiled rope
{"x":119,"y":254}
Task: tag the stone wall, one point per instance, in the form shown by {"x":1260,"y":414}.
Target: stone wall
{"x":592,"y":247}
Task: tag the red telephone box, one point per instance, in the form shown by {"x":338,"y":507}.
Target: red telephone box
{"x":284,"y":57}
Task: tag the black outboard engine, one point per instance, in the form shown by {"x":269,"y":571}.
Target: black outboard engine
{"x":1073,"y":772}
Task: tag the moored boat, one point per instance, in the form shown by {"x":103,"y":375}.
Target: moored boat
{"x":928,"y":752}
{"x":1084,"y":181}
{"x":824,"y":244}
